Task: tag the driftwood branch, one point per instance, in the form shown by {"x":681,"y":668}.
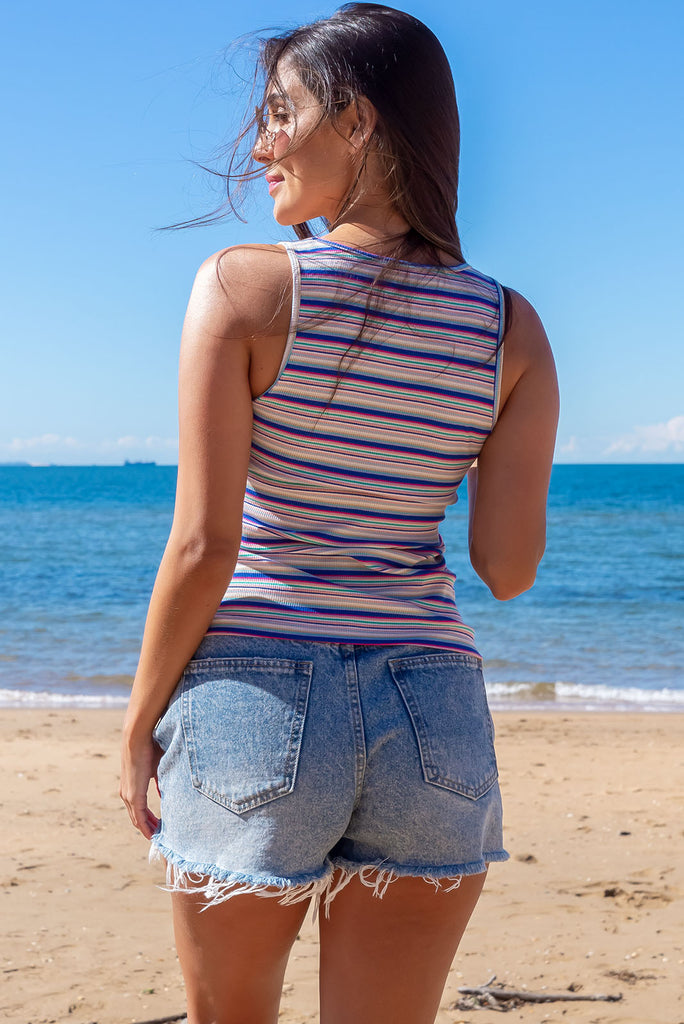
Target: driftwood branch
{"x":166,"y":1020}
{"x":496,"y":997}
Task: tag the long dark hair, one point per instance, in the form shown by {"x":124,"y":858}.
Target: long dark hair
{"x":398,"y":64}
{"x":395,"y":62}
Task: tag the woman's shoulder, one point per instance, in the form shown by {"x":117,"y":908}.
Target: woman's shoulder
{"x":525,"y":332}
{"x":248,"y":265}
{"x":525,"y":343}
{"x":247,"y":285}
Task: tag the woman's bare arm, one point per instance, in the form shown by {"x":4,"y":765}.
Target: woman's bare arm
{"x":508,"y":489}
{"x":215,"y":424}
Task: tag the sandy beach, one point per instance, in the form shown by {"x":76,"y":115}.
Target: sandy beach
{"x":591,"y":897}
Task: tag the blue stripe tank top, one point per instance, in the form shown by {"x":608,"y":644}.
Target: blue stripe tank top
{"x":357,"y":449}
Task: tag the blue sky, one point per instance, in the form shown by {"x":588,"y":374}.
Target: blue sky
{"x":571,"y":192}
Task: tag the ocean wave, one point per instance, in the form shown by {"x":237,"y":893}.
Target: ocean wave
{"x":556,"y":696}
{"x":582,"y":697}
{"x":43,"y":699}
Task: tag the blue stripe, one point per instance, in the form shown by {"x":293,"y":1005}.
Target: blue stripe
{"x":253,"y":551}
{"x":333,"y":610}
{"x":352,"y":474}
{"x":367,"y":378}
{"x":303,"y":533}
{"x":353,"y":579}
{"x":397,"y":286}
{"x":351,"y":441}
{"x":464,"y":270}
{"x":344,"y":511}
{"x":412,"y":637}
{"x":380,"y":414}
{"x":373,"y":315}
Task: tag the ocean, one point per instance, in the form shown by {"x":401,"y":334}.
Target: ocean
{"x":603,"y":628}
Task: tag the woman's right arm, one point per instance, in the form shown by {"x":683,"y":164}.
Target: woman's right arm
{"x":234,"y":295}
{"x":507,"y":490}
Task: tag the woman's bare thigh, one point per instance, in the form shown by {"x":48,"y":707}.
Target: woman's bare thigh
{"x":233,"y":956}
{"x":385,"y":961}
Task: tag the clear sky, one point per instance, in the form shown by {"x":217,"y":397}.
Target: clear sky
{"x":571,"y":192}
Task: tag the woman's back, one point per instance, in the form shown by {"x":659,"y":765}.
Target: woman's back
{"x":357,"y":449}
{"x":316,"y":459}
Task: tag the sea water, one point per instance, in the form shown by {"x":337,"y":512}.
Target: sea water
{"x":603,"y":626}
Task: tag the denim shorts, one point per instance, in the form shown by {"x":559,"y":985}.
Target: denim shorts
{"x":286,"y":759}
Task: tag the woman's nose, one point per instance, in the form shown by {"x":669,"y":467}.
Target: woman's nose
{"x":262,"y":150}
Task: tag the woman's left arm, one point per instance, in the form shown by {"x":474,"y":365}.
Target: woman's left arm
{"x":215,"y":426}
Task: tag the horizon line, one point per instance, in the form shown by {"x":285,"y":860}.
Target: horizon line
{"x":147,"y":463}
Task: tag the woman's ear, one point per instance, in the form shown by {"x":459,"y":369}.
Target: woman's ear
{"x":358,"y":121}
{"x":367,"y":118}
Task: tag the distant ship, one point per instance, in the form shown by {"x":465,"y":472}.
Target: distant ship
{"x":127,"y":462}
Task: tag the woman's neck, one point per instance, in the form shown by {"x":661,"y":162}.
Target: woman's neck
{"x":377,"y":226}
{"x":383,"y":238}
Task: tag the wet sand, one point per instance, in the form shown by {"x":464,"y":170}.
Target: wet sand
{"x":592,"y":895}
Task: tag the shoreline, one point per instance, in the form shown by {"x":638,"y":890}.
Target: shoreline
{"x":591,"y":897}
{"x":605,"y":700}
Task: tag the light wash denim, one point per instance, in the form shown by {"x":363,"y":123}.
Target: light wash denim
{"x":286,"y":759}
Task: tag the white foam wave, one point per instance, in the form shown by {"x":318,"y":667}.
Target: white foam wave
{"x":546,"y":696}
{"x":583,"y":696}
{"x":42,"y":699}
{"x":620,"y":694}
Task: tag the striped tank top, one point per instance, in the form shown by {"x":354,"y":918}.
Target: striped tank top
{"x":357,"y":451}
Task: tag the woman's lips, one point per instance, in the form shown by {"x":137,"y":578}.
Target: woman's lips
{"x":272,"y":182}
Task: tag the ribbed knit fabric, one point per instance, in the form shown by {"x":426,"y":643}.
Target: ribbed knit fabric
{"x":352,"y":466}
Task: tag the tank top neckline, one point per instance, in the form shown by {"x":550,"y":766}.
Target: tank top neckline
{"x":385,"y":259}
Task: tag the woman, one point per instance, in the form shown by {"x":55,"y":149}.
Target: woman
{"x":329,"y":737}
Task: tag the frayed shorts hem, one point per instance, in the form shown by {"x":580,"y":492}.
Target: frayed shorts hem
{"x":217,"y":885}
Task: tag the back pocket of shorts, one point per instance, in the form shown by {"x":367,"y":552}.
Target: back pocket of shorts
{"x":446,"y":700}
{"x":243,"y":720}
